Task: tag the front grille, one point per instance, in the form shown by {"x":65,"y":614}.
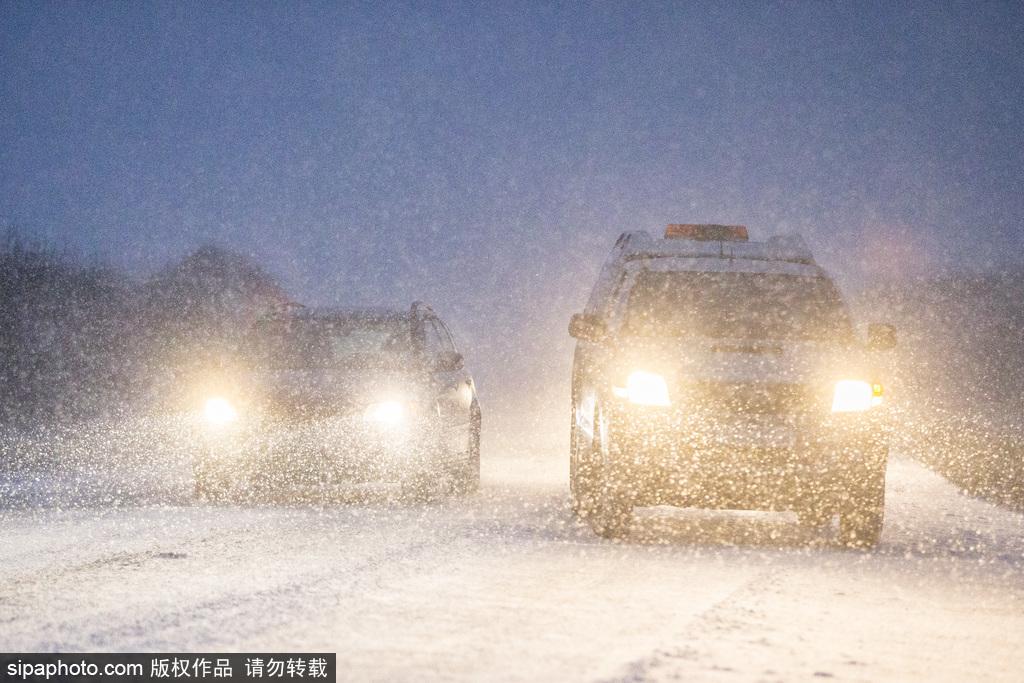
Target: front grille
{"x":752,"y":398}
{"x":299,"y":406}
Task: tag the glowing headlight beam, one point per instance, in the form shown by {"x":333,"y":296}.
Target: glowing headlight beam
{"x":645,"y":389}
{"x":387,"y":413}
{"x":855,"y":396}
{"x":219,"y":411}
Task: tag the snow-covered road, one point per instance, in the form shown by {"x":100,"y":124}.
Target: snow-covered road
{"x":506,"y":585}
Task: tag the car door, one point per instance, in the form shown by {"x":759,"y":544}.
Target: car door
{"x":452,"y":383}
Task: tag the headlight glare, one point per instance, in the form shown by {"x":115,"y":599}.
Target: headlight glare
{"x":645,"y":389}
{"x":855,"y":396}
{"x":385,"y":413}
{"x":219,"y":411}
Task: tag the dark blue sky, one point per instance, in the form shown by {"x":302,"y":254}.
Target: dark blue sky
{"x":486,"y":155}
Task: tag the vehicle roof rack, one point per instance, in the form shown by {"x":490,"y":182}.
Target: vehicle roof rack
{"x":640,"y":244}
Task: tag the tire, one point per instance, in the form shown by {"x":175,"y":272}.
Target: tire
{"x":201,"y":491}
{"x":208,"y":486}
{"x":419,"y":489}
{"x":861,"y":529}
{"x":583,"y":476}
{"x":613,"y":516}
{"x":597,"y":496}
{"x":580,"y":488}
{"x":468,"y":479}
{"x":863,"y":513}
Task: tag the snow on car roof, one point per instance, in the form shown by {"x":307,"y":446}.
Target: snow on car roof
{"x":790,"y":248}
{"x":352,"y":312}
{"x":779,"y":253}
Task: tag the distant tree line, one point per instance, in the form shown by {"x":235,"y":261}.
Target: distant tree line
{"x":960,"y":376}
{"x":80,"y":340}
{"x":961,"y":342}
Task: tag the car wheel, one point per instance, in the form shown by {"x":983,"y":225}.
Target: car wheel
{"x":428,"y":482}
{"x":606,"y":508}
{"x":419,"y":489}
{"x":577,"y":485}
{"x":468,"y":480}
{"x":862,"y":516}
{"x":201,"y":491}
{"x":208,"y":486}
{"x":613,"y":515}
{"x":861,"y":528}
{"x":582,"y":473}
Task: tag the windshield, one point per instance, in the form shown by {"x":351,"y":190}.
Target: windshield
{"x":340,"y":342}
{"x":736,"y":305}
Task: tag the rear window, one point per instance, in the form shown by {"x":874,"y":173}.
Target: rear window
{"x":736,"y":305}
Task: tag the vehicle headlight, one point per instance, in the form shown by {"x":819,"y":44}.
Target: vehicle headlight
{"x":645,"y":389}
{"x":385,"y":413}
{"x":219,"y":411}
{"x":855,"y":396}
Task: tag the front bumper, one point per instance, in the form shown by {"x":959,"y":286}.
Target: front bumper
{"x":268,"y":453}
{"x":747,"y":461}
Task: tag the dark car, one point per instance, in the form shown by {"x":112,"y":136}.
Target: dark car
{"x":329,"y":399}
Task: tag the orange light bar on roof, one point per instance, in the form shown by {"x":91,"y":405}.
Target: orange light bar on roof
{"x":706,"y":232}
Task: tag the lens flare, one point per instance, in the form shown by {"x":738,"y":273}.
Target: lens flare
{"x":219,"y":411}
{"x":853,"y":396}
{"x":646,"y":389}
{"x":386,"y":413}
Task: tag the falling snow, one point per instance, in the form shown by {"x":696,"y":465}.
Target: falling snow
{"x":360,"y":330}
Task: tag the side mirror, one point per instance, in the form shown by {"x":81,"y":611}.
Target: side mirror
{"x":587,"y":327}
{"x":881,"y":337}
{"x":449,"y":362}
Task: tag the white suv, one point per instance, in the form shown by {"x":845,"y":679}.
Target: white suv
{"x":715,"y":372}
